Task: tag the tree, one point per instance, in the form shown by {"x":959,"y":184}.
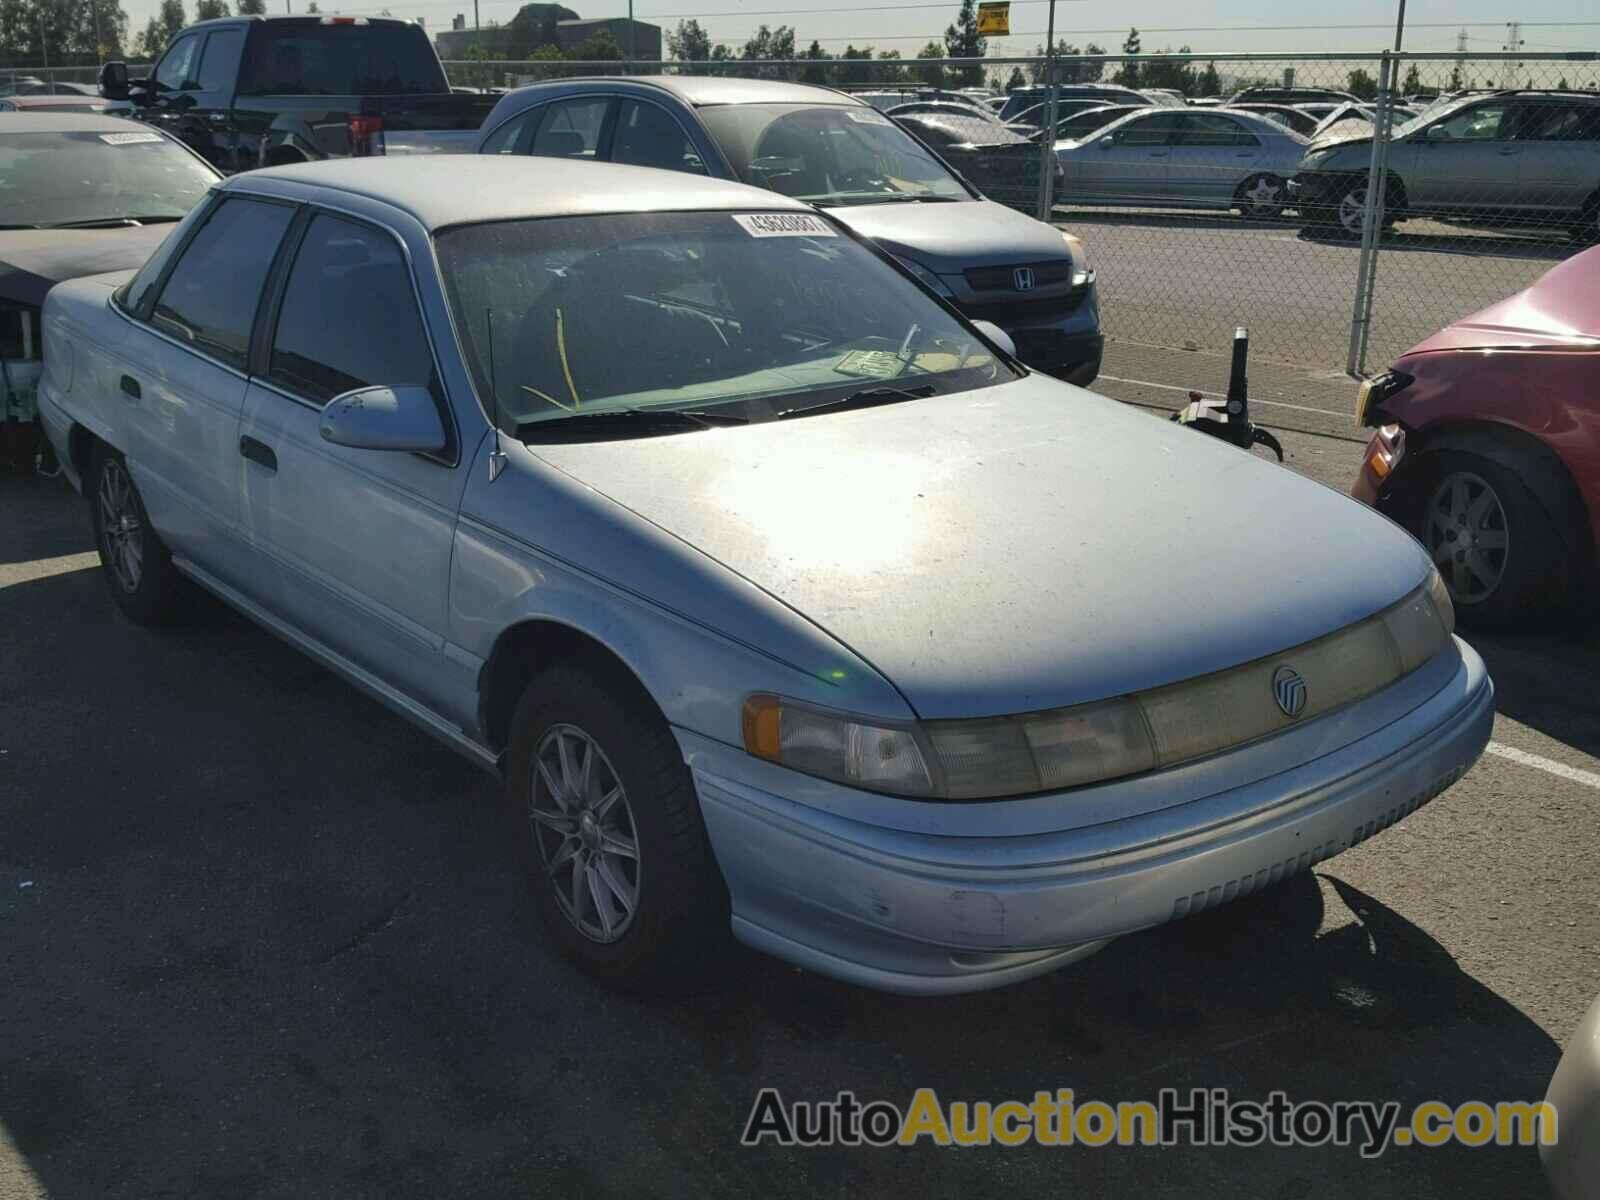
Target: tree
{"x":1209,"y":83}
{"x":161,"y":29}
{"x":689,"y":42}
{"x":1071,"y":66}
{"x":858,"y":75}
{"x":932,"y":74}
{"x":1179,"y":76}
{"x":313,"y":8}
{"x":1413,"y":81}
{"x":1016,"y":79}
{"x":768,"y":44}
{"x":61,"y":32}
{"x":962,"y":40}
{"x":814,"y":71}
{"x":1361,"y":85}
{"x":600,"y":46}
{"x":252,"y":8}
{"x":210,"y":10}
{"x":1128,"y":76}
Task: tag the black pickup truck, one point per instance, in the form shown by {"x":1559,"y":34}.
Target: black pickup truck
{"x":261,"y":91}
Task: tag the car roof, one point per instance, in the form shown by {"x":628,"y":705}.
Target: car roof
{"x":64,"y":101}
{"x":706,"y":90}
{"x":57,"y":122}
{"x":446,"y":190}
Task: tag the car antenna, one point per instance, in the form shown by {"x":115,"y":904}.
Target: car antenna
{"x":497,"y":456}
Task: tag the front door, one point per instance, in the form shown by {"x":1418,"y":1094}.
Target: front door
{"x":1466,"y":162}
{"x":360,"y":539}
{"x":1127,"y":164}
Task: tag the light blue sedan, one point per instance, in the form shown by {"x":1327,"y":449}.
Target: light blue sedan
{"x":784,"y":600}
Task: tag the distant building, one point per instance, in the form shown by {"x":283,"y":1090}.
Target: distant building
{"x":541,"y":24}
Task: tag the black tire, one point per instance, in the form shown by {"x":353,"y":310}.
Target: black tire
{"x":677,"y":936}
{"x":1255,"y":209}
{"x":1533,"y":575}
{"x":1331,"y":218}
{"x":1586,"y":232}
{"x":136,"y":563}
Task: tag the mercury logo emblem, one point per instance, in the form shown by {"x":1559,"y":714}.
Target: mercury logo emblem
{"x":1023,"y":278}
{"x":1289,"y":690}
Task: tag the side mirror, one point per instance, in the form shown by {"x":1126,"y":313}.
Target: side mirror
{"x":1107,"y":142}
{"x":385,"y":418}
{"x":996,"y":335}
{"x":114,"y":81}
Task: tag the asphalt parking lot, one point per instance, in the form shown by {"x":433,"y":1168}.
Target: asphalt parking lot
{"x":260,"y":938}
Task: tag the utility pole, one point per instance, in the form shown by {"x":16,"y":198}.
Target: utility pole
{"x":44,"y":42}
{"x":99,"y":43}
{"x":1514,"y":43}
{"x":631,"y":47}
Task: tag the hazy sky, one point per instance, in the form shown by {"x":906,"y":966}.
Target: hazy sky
{"x":907,"y":24}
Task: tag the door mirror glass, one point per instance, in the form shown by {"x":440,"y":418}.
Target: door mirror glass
{"x":1107,"y":142}
{"x":114,"y":81}
{"x":384,"y":418}
{"x":996,"y":335}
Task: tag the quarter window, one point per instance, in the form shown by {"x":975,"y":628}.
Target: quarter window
{"x":571,"y":128}
{"x":209,"y":300}
{"x":508,"y":137}
{"x":647,"y":137}
{"x":174,"y":72}
{"x":349,"y":316}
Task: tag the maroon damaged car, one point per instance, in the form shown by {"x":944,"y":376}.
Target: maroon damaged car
{"x":1487,"y":448}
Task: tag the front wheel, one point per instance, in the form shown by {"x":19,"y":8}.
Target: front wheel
{"x":609,"y":835}
{"x":1500,"y":553}
{"x":1261,"y":197}
{"x":137,"y":565}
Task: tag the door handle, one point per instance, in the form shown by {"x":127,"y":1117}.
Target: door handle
{"x":130,"y":387}
{"x":258,"y":452}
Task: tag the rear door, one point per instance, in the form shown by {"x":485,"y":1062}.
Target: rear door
{"x":1212,"y":155}
{"x":359,"y":540}
{"x":1558,"y":164}
{"x":183,"y":384}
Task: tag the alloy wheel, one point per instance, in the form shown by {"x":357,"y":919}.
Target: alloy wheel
{"x":1265,"y":195}
{"x":121,"y":531}
{"x":1353,"y":210}
{"x":588,"y":843}
{"x":1467,"y":537}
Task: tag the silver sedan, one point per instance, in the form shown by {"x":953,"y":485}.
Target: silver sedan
{"x":786,"y":603}
{"x":1219,"y":158}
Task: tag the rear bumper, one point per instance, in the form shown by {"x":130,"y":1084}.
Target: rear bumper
{"x":931,"y":912}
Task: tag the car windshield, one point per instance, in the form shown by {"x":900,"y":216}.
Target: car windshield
{"x":828,"y":154}
{"x":69,"y":178}
{"x":1429,"y":115}
{"x":738,"y":316}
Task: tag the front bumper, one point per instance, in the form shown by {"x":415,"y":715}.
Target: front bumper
{"x":917,"y":902}
{"x":1059,"y":336}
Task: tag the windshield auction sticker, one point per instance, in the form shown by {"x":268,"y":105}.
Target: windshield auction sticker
{"x":784,"y":225}
{"x":128,"y":139}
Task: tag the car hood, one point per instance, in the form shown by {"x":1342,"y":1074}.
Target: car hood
{"x":1334,"y":141}
{"x":32,"y":261}
{"x":1019,"y":547}
{"x":1560,"y":312}
{"x":947,"y":238}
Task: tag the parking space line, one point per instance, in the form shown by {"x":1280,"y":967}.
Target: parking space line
{"x":1540,"y":763}
{"x":44,"y":568}
{"x":1168,"y":387}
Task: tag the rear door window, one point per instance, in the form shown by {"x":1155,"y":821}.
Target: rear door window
{"x":1214,"y":129}
{"x":1158,"y":129}
{"x":349,"y":316}
{"x":507,"y":139}
{"x":294,"y":58}
{"x":209,"y":300}
{"x":572,"y":128}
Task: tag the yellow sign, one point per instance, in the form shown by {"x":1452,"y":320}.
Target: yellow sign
{"x":994,"y":18}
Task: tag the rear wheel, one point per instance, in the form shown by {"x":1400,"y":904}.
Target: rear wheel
{"x":1502,"y":556}
{"x":608,"y":832}
{"x":137,"y":565}
{"x":1587,"y":229}
{"x":1261,"y":197}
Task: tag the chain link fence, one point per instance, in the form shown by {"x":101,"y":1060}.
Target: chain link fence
{"x":1214,"y":190}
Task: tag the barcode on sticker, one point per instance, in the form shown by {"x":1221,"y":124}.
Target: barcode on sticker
{"x":784,"y":225}
{"x":128,"y":139}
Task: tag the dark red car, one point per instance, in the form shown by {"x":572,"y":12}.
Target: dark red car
{"x":1488,"y":449}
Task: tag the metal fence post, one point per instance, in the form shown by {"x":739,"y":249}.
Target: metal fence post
{"x":1371,"y":223}
{"x":1047,"y":151}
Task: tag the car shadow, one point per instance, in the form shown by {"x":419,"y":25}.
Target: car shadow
{"x":1169,"y":219}
{"x":263,"y":938}
{"x":1546,"y":682}
{"x":1531,"y":248}
{"x":40,"y":518}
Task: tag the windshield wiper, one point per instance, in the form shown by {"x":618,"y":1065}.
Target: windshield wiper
{"x":866,"y":398}
{"x":113,"y":222}
{"x":624,"y":420}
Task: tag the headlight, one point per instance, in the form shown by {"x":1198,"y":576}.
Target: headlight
{"x":1082,"y":273}
{"x":998,"y":757}
{"x":1315,"y":159}
{"x":836,"y":746}
{"x":927,"y":276}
